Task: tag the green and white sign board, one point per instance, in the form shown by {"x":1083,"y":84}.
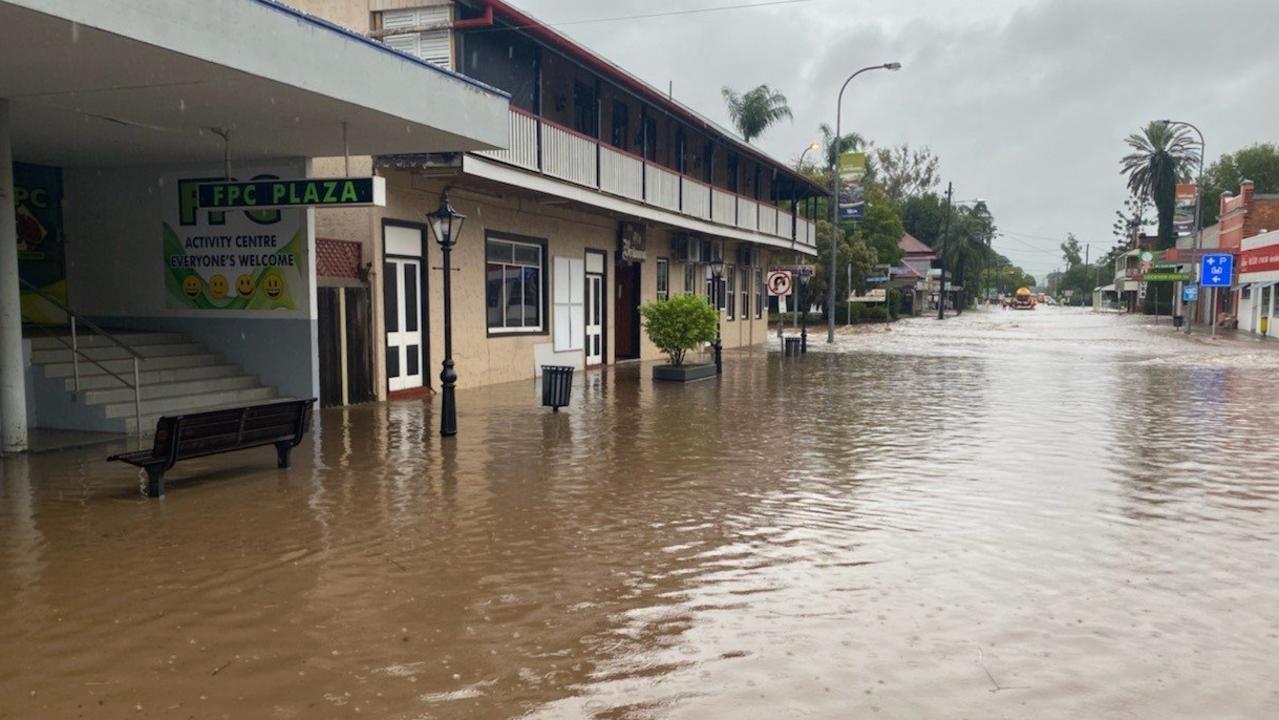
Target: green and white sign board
{"x":305,"y":192}
{"x":231,"y":259}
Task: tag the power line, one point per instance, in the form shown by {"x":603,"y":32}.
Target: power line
{"x":647,"y":16}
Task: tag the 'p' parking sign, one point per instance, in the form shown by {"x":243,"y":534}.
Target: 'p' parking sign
{"x":1217,"y":270}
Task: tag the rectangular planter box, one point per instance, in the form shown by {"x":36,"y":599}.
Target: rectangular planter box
{"x":684,"y":373}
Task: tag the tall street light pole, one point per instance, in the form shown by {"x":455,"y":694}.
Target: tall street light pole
{"x":447,"y":225}
{"x":1199,"y":199}
{"x":834,"y":198}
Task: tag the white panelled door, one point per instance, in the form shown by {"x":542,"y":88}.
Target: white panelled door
{"x":594,"y":309}
{"x":403,"y":306}
{"x":403,"y":285}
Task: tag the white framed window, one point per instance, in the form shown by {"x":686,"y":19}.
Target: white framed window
{"x":432,"y":44}
{"x":730,"y":291}
{"x":690,"y":278}
{"x":761,"y":298}
{"x":514,"y":290}
{"x":663,"y":279}
{"x":745,"y":291}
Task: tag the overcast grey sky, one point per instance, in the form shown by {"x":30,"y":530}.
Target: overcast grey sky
{"x":1026,"y":102}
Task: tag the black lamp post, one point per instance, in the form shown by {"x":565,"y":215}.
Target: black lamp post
{"x":447,"y":223}
{"x":803,"y":313}
{"x":717,"y":274}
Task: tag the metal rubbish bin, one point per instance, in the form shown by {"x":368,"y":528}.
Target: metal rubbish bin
{"x":557,"y":386}
{"x":791,"y":348}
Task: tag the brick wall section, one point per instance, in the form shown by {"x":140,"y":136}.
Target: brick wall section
{"x":1263,"y":215}
{"x":337,"y":258}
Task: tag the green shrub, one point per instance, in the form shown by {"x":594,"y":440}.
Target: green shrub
{"x":679,"y":324}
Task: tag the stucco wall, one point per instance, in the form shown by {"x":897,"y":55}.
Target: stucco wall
{"x":483,"y":359}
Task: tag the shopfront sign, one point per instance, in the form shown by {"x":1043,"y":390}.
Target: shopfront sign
{"x":278,"y":193}
{"x":1217,"y":270}
{"x":1262,"y":259}
{"x":876,"y":295}
{"x":797,"y":270}
{"x":1165,"y":277}
{"x":245,"y":259}
{"x":632,"y":243}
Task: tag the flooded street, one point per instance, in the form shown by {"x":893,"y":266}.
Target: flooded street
{"x":1051,"y":514}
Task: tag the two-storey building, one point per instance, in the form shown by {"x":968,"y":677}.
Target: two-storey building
{"x":609,"y":194}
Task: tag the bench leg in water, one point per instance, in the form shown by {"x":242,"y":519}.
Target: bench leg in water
{"x":282,"y":450}
{"x":155,"y":482}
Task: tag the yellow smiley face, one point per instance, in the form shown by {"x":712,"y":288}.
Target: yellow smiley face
{"x":244,"y":285}
{"x":217,"y":287}
{"x":273,"y":286}
{"x":191,"y":286}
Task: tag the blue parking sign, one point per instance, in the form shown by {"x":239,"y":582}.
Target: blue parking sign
{"x":1217,"y":270}
{"x":1190,"y":293}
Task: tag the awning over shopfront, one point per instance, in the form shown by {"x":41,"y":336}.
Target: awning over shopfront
{"x":88,"y":85}
{"x":107,"y":83}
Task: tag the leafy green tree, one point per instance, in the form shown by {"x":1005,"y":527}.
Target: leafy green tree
{"x":1162,"y":156}
{"x":756,"y":110}
{"x":1258,"y":163}
{"x":1071,"y":250}
{"x":679,"y":324}
{"x":905,"y":172}
{"x":881,"y":228}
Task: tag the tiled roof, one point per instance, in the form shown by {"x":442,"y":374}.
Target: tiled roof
{"x":911,"y":245}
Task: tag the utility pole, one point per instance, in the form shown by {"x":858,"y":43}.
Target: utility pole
{"x":1087,"y":262}
{"x":945,"y":233}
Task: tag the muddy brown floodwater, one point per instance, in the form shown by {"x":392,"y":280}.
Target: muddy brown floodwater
{"x":1007,"y":515}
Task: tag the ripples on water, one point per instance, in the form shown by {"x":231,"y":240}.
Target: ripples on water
{"x":1049,"y":514}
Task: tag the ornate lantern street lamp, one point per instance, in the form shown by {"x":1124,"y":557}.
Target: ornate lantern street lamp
{"x":447,"y":223}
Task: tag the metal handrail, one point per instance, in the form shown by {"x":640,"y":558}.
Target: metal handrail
{"x":77,"y":353}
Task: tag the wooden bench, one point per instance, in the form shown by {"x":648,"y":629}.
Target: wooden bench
{"x":193,"y":435}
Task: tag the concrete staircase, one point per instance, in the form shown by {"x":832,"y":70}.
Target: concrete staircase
{"x":178,"y":375}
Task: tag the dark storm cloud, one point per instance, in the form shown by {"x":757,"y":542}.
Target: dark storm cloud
{"x":1027,"y":103}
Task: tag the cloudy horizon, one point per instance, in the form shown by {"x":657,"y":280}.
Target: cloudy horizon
{"x":1025,"y":102}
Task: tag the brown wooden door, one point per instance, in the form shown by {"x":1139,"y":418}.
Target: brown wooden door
{"x":626,"y":322}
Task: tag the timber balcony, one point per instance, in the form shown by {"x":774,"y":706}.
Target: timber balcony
{"x":556,"y":151}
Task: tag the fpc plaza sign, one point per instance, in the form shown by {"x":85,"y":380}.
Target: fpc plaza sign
{"x":308,"y":192}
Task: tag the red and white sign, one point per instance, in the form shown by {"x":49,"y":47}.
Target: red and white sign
{"x":778,"y":283}
{"x":1257,"y":260}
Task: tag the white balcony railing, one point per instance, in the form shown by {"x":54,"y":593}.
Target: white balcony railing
{"x":723,"y":207}
{"x":568,"y":156}
{"x":808,"y":232}
{"x":695,"y":198}
{"x":747,"y":214}
{"x":580,"y":159}
{"x":768,"y":219}
{"x":662,"y":187}
{"x":523,"y":149}
{"x":621,"y":174}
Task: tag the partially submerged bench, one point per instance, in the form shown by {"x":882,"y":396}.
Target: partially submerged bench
{"x":194,"y":435}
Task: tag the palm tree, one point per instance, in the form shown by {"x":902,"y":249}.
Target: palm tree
{"x":850,"y":142}
{"x":755,"y":110}
{"x":1162,"y":157}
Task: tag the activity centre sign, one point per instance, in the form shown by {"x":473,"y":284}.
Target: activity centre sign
{"x":231,"y":259}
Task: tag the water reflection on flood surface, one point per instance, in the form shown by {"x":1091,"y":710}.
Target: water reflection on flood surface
{"x":1048,"y":515}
